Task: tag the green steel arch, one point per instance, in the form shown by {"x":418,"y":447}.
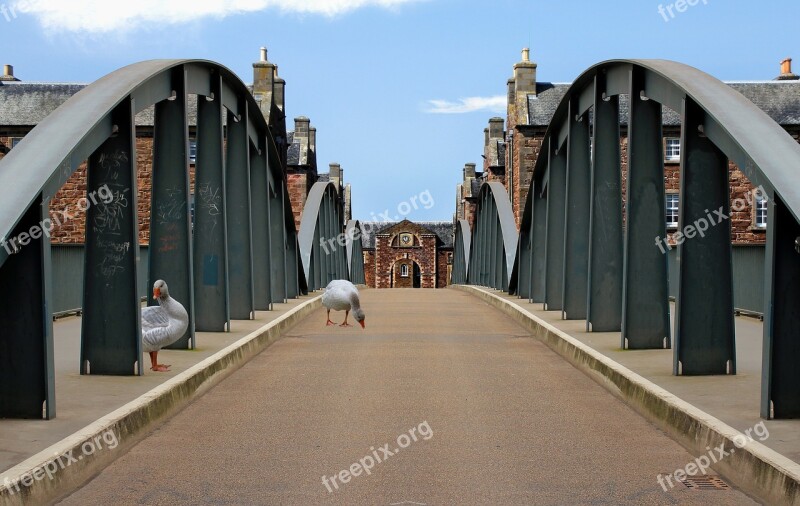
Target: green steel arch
{"x":355,"y":252}
{"x":575,"y":255}
{"x":239,"y":255}
{"x":322,"y":237}
{"x":461,"y":249}
{"x":494,"y":240}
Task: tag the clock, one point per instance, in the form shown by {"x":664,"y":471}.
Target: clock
{"x":406,"y":239}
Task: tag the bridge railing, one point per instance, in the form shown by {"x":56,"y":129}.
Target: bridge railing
{"x":577,"y":255}
{"x":240,"y":254}
{"x":322,"y":237}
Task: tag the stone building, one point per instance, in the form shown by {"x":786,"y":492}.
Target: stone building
{"x":532,"y":103}
{"x":407,"y":254}
{"x":24,"y":104}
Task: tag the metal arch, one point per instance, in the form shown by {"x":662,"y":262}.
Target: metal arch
{"x":355,"y":252}
{"x":718,"y":124}
{"x":52,"y":151}
{"x":98,"y":124}
{"x":463,"y":241}
{"x":495,"y":196}
{"x":322,"y":222}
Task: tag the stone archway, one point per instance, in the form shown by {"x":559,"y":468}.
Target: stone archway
{"x":405,"y":273}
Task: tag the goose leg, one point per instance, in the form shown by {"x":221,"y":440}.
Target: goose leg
{"x":154,"y":365}
{"x":329,"y":322}
{"x":345,"y":324}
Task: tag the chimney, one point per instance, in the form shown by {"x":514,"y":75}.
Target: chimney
{"x":786,"y":71}
{"x":8,"y":74}
{"x":280,"y":91}
{"x":336,"y":174}
{"x":301,"y":135}
{"x":312,"y":139}
{"x":263,"y":79}
{"x":525,"y":75}
{"x":469,"y":171}
{"x":496,"y":128}
{"x":485,"y":137}
{"x":494,"y":135}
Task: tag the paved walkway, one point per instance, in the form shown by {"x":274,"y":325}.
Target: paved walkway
{"x":487,"y":414}
{"x":735,"y":399}
{"x":80,"y":400}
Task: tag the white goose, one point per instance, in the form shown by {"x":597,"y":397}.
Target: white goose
{"x":162,"y":325}
{"x":342,"y":295}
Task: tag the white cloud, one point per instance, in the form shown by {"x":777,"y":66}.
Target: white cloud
{"x":470,"y":104}
{"x":103,"y":16}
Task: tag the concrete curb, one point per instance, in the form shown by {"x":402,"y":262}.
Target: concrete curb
{"x":753,"y":468}
{"x":130,"y":423}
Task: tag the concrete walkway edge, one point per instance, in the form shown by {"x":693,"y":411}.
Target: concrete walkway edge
{"x":754,"y":468}
{"x":133,"y":421}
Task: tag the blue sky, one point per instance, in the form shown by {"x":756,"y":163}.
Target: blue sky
{"x":366,"y":71}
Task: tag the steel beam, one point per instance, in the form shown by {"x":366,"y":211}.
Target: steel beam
{"x":780,"y":397}
{"x":111,"y":324}
{"x":645,"y":314}
{"x":237,"y":206}
{"x":170,"y":251}
{"x":576,"y":243}
{"x":704,"y":326}
{"x":606,"y":244}
{"x":27,"y":374}
{"x":539,"y":239}
{"x":259,"y":204}
{"x":556,"y":222}
{"x":212,"y":309}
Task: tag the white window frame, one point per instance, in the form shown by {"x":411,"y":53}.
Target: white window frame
{"x":193,"y":148}
{"x":760,"y":210}
{"x":672,"y":149}
{"x":676,"y":208}
{"x":404,"y":270}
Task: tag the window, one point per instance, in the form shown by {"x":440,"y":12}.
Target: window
{"x":404,"y":270}
{"x":673,"y":199}
{"x":449,"y":259}
{"x":760,"y":211}
{"x":192,"y":151}
{"x":15,"y":141}
{"x":672,"y":149}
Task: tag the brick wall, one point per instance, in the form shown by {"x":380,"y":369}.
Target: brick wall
{"x":369,"y":268}
{"x":297,"y":183}
{"x":424,"y":254}
{"x":444,"y":269}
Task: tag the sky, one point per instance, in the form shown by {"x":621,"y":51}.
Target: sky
{"x":399,"y":90}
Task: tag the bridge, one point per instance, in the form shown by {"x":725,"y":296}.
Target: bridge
{"x":555,"y":369}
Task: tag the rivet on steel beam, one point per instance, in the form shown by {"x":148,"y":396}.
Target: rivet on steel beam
{"x":210,"y":97}
{"x":797,"y":245}
{"x":114,"y":130}
{"x":643,"y":96}
{"x":701,"y":130}
{"x":173,"y":96}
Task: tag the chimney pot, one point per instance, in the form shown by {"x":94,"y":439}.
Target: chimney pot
{"x":526,"y":54}
{"x":8,"y":74}
{"x":786,"y":71}
{"x":263,"y":53}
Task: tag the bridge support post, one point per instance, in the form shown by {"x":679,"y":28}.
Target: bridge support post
{"x":539,"y":239}
{"x":645,"y":310}
{"x":212,"y":313}
{"x":259,"y":205}
{"x":111,"y":325}
{"x":170,"y":250}
{"x":237,"y":205}
{"x":704,"y":325}
{"x":604,"y":293}
{"x":780,"y":397}
{"x":576,"y":243}
{"x":27,"y":374}
{"x":556,"y":222}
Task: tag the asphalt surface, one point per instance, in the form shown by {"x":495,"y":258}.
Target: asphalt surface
{"x":498,"y":419}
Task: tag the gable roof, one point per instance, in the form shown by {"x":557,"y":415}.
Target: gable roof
{"x":442,"y":229}
{"x":779,"y":99}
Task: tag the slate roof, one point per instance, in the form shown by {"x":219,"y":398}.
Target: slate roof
{"x":26,"y":104}
{"x":779,"y":99}
{"x":293,"y":154}
{"x":442,"y":229}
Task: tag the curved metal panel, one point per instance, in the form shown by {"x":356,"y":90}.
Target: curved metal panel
{"x":321,"y":225}
{"x":461,"y":247}
{"x":494,"y":200}
{"x":355,"y":252}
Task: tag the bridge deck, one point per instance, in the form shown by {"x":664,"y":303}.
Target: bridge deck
{"x":511,"y":422}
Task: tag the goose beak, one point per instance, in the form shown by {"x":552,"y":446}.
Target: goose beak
{"x":362,"y":324}
{"x":156,"y":293}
